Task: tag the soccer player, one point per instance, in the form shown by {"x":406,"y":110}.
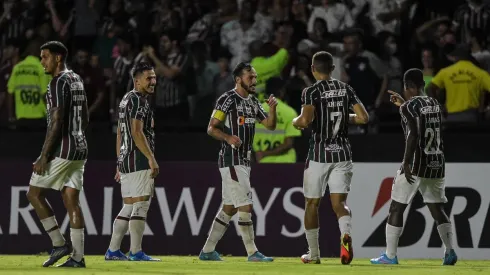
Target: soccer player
{"x":137,"y":166}
{"x":422,"y":169}
{"x":326,"y":105}
{"x":62,"y":161}
{"x":237,"y":110}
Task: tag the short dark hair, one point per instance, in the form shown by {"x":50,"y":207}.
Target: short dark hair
{"x":56,"y":47}
{"x":414,"y":78}
{"x":140,"y":67}
{"x":323,"y":62}
{"x":240,"y":67}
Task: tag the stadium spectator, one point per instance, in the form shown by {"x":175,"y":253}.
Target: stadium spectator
{"x":93,"y":81}
{"x":223,"y":81}
{"x":337,"y":16}
{"x":276,"y":146}
{"x":27,"y":86}
{"x":10,"y":57}
{"x":173,"y":100}
{"x":236,"y":35}
{"x":464,"y":84}
{"x":473,"y":15}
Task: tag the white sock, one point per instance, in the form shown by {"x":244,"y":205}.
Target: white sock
{"x":137,"y":224}
{"x":77,"y":240}
{"x":392,"y":236}
{"x":217,"y":231}
{"x":312,"y":239}
{"x":345,"y":225}
{"x":120,"y":227}
{"x":446,"y":233}
{"x":51,"y":227}
{"x":247,"y":230}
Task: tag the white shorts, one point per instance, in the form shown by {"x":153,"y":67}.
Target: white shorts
{"x":137,"y":184}
{"x":432,"y":190}
{"x":235,"y":185}
{"x":60,"y":173}
{"x":317,"y":176}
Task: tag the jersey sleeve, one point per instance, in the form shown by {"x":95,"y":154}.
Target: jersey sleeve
{"x":309,"y":96}
{"x":353,"y":99}
{"x":56,"y":92}
{"x":408,"y":112}
{"x":222,"y":107}
{"x":261,"y":113}
{"x":138,"y":109}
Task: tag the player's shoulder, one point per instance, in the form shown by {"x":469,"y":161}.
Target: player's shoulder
{"x":311,"y":89}
{"x":226,"y":97}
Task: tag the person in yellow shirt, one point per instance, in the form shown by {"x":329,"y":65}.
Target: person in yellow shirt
{"x":276,"y":146}
{"x":269,"y":62}
{"x":27,"y":87}
{"x":464,"y":84}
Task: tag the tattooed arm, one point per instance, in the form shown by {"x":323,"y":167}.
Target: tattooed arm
{"x":52,"y":135}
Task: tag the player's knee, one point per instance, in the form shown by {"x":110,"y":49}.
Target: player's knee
{"x":245,"y":208}
{"x":397,"y":208}
{"x":437,"y":212}
{"x":312,"y":204}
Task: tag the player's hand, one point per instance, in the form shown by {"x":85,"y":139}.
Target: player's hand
{"x":234,"y":141}
{"x":117,"y":177}
{"x":396,"y":99}
{"x":155,"y":169}
{"x":40,"y":166}
{"x":408,"y":173}
{"x":272,"y":101}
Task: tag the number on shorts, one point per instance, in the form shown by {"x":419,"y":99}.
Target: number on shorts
{"x":336,"y":117}
{"x":430,"y":147}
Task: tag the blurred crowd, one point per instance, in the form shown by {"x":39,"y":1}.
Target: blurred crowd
{"x":194,"y":45}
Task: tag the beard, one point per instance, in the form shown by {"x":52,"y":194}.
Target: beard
{"x":248,"y":88}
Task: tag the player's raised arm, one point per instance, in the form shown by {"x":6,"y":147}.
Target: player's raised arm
{"x":268,"y":120}
{"x":411,"y":141}
{"x":307,"y":115}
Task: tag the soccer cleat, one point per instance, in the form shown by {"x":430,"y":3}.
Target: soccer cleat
{"x":307,"y":259}
{"x":72,"y":263}
{"x":115,"y":256}
{"x":210,"y":256}
{"x":259,"y":257}
{"x":346,"y":251}
{"x":141,"y":256}
{"x":383,"y":259}
{"x":451,"y":258}
{"x":56,"y":254}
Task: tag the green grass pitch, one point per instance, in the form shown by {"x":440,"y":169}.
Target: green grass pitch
{"x":17,"y":265}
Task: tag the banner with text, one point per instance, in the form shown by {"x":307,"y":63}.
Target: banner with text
{"x":187,"y":198}
{"x":467,"y":191}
